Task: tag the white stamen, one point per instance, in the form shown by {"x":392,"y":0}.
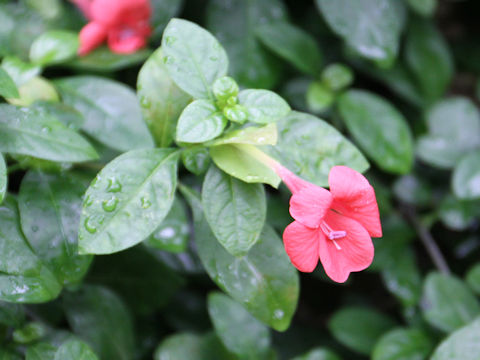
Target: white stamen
{"x":336,"y":245}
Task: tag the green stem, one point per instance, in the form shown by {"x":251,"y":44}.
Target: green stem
{"x":13,"y":168}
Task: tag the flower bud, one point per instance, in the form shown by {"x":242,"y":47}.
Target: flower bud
{"x":236,"y":113}
{"x":225,"y":88}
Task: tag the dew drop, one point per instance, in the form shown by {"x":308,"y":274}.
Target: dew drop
{"x":167,"y":60}
{"x":89,"y":226}
{"x":114,"y":185}
{"x":110,"y":204}
{"x":46,"y":129}
{"x":213,"y":58}
{"x":34,"y":228}
{"x":278,"y":314}
{"x":169,"y":40}
{"x":145,"y":202}
{"x":88,"y":201}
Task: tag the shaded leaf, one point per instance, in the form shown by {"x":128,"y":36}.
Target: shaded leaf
{"x":462,"y":344}
{"x":402,"y":344}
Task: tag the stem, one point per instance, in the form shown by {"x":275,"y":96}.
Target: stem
{"x":13,"y":168}
{"x":427,"y":240}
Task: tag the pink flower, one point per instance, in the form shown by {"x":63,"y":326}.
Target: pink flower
{"x":335,"y":226}
{"x":124,"y":24}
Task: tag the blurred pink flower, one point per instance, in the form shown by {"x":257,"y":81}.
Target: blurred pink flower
{"x":124,"y":24}
{"x":335,"y":226}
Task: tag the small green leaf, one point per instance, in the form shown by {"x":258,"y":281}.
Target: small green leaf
{"x":359,"y":328}
{"x":196,"y":160}
{"x":403,"y":344}
{"x":462,"y":344}
{"x":200,"y":121}
{"x":193,"y":57}
{"x":29,"y":333}
{"x":3,"y":178}
{"x":319,"y":97}
{"x":37,"y":88}
{"x":379,"y":128}
{"x":54,"y":47}
{"x":111,"y":111}
{"x":32,"y":132}
{"x":466,"y":177}
{"x":99,"y":317}
{"x":264,"y":135}
{"x":310,"y":147}
{"x":423,"y":7}
{"x":448,"y":303}
{"x":234,"y":209}
{"x":8,"y":88}
{"x":127,"y":200}
{"x":75,"y":350}
{"x":20,"y":72}
{"x":249,"y":338}
{"x":160,"y":99}
{"x":473,"y":278}
{"x":293,"y":44}
{"x":318,"y":354}
{"x":337,"y":76}
{"x":237,"y":161}
{"x":263,"y":106}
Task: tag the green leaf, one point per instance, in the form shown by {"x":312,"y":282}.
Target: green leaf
{"x":196,"y":160}
{"x":466,"y":177}
{"x":318,"y":354}
{"x":293,"y":44}
{"x":50,"y":207}
{"x":337,"y":76}
{"x":32,"y":132}
{"x":54,"y":47}
{"x":235,"y":23}
{"x":99,"y":317}
{"x":263,"y":106}
{"x":264,"y":135}
{"x":448,"y":303}
{"x":310,"y":147}
{"x":319,"y":97}
{"x":359,"y":328}
{"x":248,"y":338}
{"x":20,"y":72}
{"x":75,"y":350}
{"x":193,"y":57}
{"x":402,"y":344}
{"x":456,"y":214}
{"x":11,"y":314}
{"x":160,"y":99}
{"x":462,"y":344}
{"x":173,"y":233}
{"x":428,"y":56}
{"x":264,"y":280}
{"x":473,"y":278}
{"x":453,"y":131}
{"x":24,"y":278}
{"x":423,"y":7}
{"x":200,"y":121}
{"x":70,"y":117}
{"x":111,"y":110}
{"x":234,"y":209}
{"x":127,"y":200}
{"x":8,"y":88}
{"x":41,"y":351}
{"x":35,"y":89}
{"x":3,"y":178}
{"x":379,"y":128}
{"x":375,"y":34}
{"x":237,"y":161}
{"x":29,"y":333}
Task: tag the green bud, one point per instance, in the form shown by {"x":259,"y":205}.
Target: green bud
{"x":337,"y":77}
{"x":224,"y":88}
{"x":236,"y":113}
{"x":319,"y":97}
{"x":231,"y":101}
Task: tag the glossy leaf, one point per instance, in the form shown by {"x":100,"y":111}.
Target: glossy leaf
{"x":128,"y":200}
{"x":293,"y":44}
{"x":24,"y":277}
{"x":75,"y":350}
{"x":401,"y":344}
{"x":99,"y":317}
{"x":379,"y":128}
{"x":263,"y":106}
{"x":462,"y":344}
{"x":70,"y":117}
{"x":359,"y":328}
{"x":54,"y":47}
{"x":200,"y":121}
{"x":8,"y":88}
{"x":3,"y":178}
{"x":264,"y":281}
{"x":160,"y":99}
{"x":31,"y":132}
{"x":50,"y":207}
{"x":234,"y":209}
{"x":264,"y":135}
{"x":193,"y":57}
{"x":466,"y":177}
{"x":448,"y":303}
{"x":310,"y":147}
{"x":248,"y":337}
{"x":111,"y":111}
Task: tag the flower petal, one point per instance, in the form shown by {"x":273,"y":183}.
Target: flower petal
{"x":125,"y":42}
{"x":309,"y":205}
{"x":120,"y":12}
{"x":293,"y":182}
{"x":354,"y":252}
{"x":301,"y":245}
{"x":91,"y":36}
{"x":354,"y":197}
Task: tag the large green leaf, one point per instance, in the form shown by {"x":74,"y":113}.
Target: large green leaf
{"x":371,"y":27}
{"x":111,"y":110}
{"x":453,"y":131}
{"x":234,"y":22}
{"x":193,"y":58}
{"x":3,"y":178}
{"x":50,"y":207}
{"x":447,"y":302}
{"x":466,"y":177}
{"x":160,"y":99}
{"x":8,"y":88}
{"x":54,"y":47}
{"x":293,"y":44}
{"x":128,"y":200}
{"x":402,"y":344}
{"x":359,"y":328}
{"x":310,"y":147}
{"x":35,"y":133}
{"x":24,"y":277}
{"x":264,"y":280}
{"x":75,"y":350}
{"x":248,"y":337}
{"x":379,"y":128}
{"x":263,"y":106}
{"x":234,"y":209}
{"x":70,"y":117}
{"x":99,"y":317}
{"x":264,"y":135}
{"x":463,"y":344}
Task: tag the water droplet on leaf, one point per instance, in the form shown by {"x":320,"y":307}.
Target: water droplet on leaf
{"x":114,"y":185}
{"x":90,"y":226}
{"x":145,"y":202}
{"x":110,"y":204}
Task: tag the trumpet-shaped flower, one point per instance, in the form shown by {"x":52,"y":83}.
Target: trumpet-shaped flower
{"x":123,"y":24}
{"x":334,"y":226}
